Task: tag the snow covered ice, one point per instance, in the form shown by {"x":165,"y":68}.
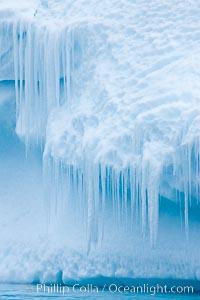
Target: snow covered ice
{"x":105,"y":97}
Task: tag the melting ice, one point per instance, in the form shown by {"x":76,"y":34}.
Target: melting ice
{"x":109,"y":93}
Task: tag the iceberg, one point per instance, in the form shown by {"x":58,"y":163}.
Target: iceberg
{"x":107,"y":107}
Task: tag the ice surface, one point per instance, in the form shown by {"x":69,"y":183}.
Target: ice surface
{"x":110,"y":91}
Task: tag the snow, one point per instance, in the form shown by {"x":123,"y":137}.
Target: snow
{"x":110,"y":91}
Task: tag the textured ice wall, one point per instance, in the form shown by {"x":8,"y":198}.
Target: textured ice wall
{"x":112,"y":92}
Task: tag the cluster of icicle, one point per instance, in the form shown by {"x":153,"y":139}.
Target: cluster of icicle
{"x":131,"y":194}
{"x":44,"y":64}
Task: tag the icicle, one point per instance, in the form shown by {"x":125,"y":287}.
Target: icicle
{"x":144,"y":197}
{"x":68,"y":67}
{"x":16,"y":66}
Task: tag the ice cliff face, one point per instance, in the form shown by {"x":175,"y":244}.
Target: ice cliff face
{"x":110,"y":92}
